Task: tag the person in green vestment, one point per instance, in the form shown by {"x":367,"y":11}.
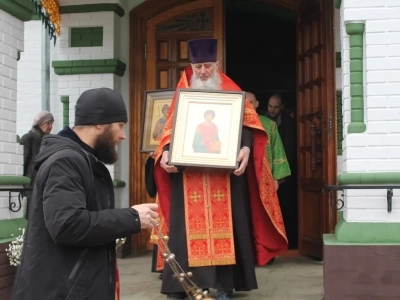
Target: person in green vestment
{"x":275,"y":151}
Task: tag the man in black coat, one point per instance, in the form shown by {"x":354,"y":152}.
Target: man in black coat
{"x":287,"y":192}
{"x":70,"y":240}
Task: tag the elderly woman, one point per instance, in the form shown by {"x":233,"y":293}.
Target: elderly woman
{"x":42,"y":125}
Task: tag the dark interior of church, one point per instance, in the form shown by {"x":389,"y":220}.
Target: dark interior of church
{"x":261,"y":58}
{"x":260,"y":51}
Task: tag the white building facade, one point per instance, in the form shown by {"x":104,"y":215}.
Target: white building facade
{"x":367,"y":42}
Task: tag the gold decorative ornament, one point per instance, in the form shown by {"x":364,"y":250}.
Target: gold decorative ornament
{"x":191,"y":289}
{"x":119,"y":242}
{"x":52,"y":10}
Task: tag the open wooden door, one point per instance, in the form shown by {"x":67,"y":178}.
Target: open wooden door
{"x":316,"y":123}
{"x":167,"y":35}
{"x":159,"y":31}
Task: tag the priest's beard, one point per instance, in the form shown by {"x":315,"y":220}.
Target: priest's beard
{"x":104,"y":148}
{"x":212,"y":83}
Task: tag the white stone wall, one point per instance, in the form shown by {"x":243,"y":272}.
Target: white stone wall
{"x":378,"y":149}
{"x":338,"y":47}
{"x":11,"y":41}
{"x":29,"y":97}
{"x":74,"y":85}
{"x":115,"y":45}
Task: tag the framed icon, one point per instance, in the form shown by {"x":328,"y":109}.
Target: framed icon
{"x":155,"y":109}
{"x":207,"y":128}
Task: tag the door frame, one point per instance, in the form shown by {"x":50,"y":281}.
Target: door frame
{"x":138,"y":18}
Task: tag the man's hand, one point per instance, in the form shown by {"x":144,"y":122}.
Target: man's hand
{"x":276,"y":185}
{"x":147,"y":214}
{"x":243,"y":159}
{"x":164,"y":163}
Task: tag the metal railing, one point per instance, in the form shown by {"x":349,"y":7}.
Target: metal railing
{"x":15,"y":206}
{"x":340,"y":203}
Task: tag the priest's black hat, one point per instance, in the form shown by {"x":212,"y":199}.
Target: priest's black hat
{"x":202,"y":50}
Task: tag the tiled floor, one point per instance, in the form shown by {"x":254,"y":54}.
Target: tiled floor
{"x":289,"y":278}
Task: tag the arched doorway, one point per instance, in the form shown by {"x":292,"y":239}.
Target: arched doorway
{"x":157,"y":48}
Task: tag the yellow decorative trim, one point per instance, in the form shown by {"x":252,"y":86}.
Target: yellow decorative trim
{"x":53,"y":11}
{"x":222,"y":235}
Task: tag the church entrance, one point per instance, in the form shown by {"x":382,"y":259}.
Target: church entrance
{"x":261,"y":58}
{"x":266,"y":46}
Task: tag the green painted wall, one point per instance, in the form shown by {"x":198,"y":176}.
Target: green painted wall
{"x":87,"y":37}
{"x":14,"y":180}
{"x":22,"y":10}
{"x":10,"y":229}
{"x":97,"y":66}
{"x":369,"y":178}
{"x":363,"y":233}
{"x":355,"y":32}
{"x":338,"y":59}
{"x":65,"y":114}
{"x":119,"y":184}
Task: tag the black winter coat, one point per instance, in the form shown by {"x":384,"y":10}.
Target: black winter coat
{"x":31,"y":142}
{"x":69,"y":246}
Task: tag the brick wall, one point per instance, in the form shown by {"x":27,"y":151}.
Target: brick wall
{"x":378,"y":149}
{"x":29,"y":97}
{"x":11,"y":41}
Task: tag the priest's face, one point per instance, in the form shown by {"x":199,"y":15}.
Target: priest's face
{"x":205,"y":76}
{"x":206,"y":70}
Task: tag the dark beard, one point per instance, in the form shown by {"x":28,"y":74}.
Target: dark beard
{"x":104,"y":150}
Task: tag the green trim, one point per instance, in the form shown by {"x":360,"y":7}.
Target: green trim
{"x":356,"y":31}
{"x":369,"y":178}
{"x":119,"y":183}
{"x":338,"y":59}
{"x":86,"y":8}
{"x":35,"y":17}
{"x":367,"y":232}
{"x":331,"y":240}
{"x":22,"y":10}
{"x":65,"y":102}
{"x":18,"y":55}
{"x":338,"y":3}
{"x":87,"y":37}
{"x":96,"y":66}
{"x":9,"y":229}
{"x":18,"y":138}
{"x":14,"y":180}
{"x":339,"y":122}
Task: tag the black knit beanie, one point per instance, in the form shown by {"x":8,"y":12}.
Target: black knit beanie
{"x":100,"y":106}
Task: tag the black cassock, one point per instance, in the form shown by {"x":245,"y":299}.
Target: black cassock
{"x":240,"y":276}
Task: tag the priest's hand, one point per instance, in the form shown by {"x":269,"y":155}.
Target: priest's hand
{"x":243,"y":160}
{"x":164,"y":163}
{"x":276,"y":185}
{"x":147,"y":214}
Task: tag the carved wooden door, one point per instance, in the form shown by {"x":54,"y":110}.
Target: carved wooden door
{"x":316,"y":119}
{"x":167,"y":35}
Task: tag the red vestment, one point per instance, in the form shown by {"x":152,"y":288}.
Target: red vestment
{"x":268,"y":230}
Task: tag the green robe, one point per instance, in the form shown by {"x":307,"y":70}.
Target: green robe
{"x":275,"y":151}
